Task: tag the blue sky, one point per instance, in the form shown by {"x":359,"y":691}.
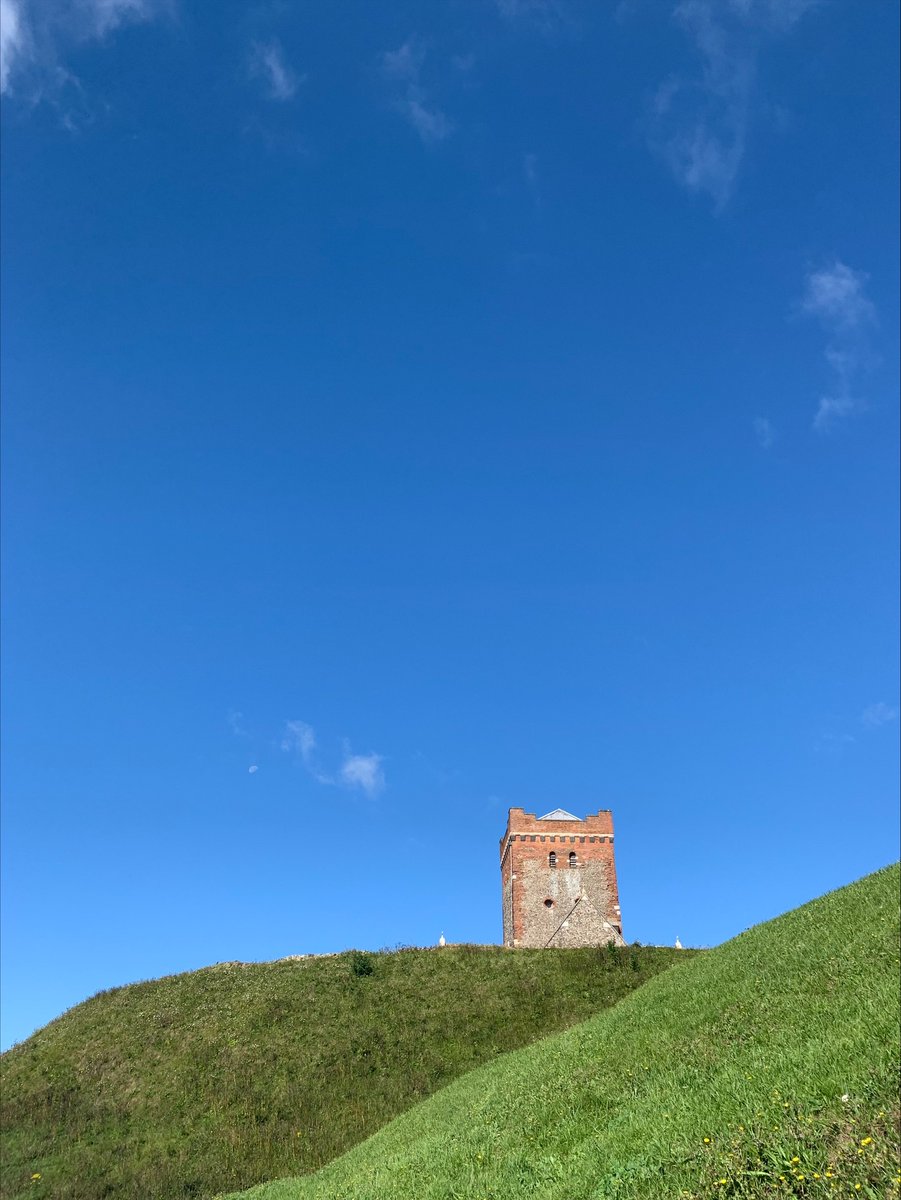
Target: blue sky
{"x":417,"y":410}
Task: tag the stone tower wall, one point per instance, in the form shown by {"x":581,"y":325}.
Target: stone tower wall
{"x":564,"y":905}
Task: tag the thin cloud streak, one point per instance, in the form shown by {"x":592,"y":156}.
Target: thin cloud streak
{"x":835,"y":296}
{"x":879,"y":714}
{"x":702,"y":124}
{"x":235,"y":721}
{"x":531,"y":175}
{"x":765,"y":432}
{"x":831,"y":409}
{"x":544,"y":15}
{"x":300,"y":738}
{"x":107,"y":15}
{"x":404,"y":65}
{"x":267,"y":62}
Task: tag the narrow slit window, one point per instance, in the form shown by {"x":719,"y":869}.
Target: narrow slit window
{"x":552,"y":859}
{"x":573,"y":861}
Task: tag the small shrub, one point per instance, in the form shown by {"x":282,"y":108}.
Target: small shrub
{"x":610,"y":954}
{"x":361,"y":964}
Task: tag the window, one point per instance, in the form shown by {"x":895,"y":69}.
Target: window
{"x":573,"y":861}
{"x":552,"y":859}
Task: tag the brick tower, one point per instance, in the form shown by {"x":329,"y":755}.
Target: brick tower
{"x":559,"y":880}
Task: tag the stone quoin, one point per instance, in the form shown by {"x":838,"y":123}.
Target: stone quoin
{"x":558,"y":880}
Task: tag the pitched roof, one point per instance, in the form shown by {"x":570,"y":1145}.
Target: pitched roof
{"x":559,"y":814}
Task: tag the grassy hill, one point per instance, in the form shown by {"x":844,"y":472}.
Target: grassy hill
{"x":198,"y":1083}
{"x":766,"y":1068}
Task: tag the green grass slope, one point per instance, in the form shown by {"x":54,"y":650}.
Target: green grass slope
{"x":767,"y":1067}
{"x":218,"y":1079}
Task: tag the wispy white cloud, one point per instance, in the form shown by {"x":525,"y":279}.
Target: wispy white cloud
{"x":267,"y":63}
{"x":34,"y":36}
{"x":12,"y":39}
{"x":363,"y":771}
{"x":406,"y":61}
{"x":834,"y":743}
{"x":764,"y":431}
{"x":300,"y":738}
{"x":106,"y":15}
{"x":836,"y":297}
{"x":430,"y":123}
{"x":831,"y":409}
{"x":702,"y":123}
{"x":880,"y":714}
{"x":252,"y":769}
{"x":531,"y":176}
{"x":404,"y":66}
{"x":545,"y":15}
{"x":235,"y":722}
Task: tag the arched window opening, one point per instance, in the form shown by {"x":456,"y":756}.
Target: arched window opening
{"x":552,"y":859}
{"x":573,"y":861}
